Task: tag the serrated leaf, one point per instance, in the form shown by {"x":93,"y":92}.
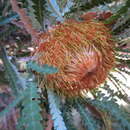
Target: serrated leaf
{"x":45,"y":69}
{"x":89,"y":122}
{"x":17,"y":82}
{"x":118,"y":14}
{"x":114,"y":111}
{"x":55,"y":111}
{"x":31,"y":107}
{"x":34,"y":125}
{"x":39,"y":7}
{"x":62,"y":4}
{"x":32,"y":15}
{"x":30,"y":116}
{"x":54,"y":10}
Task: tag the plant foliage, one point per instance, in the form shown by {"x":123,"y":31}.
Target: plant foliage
{"x":30,"y":115}
{"x":55,"y":111}
{"x":16,"y":82}
{"x":40,"y":10}
{"x":45,"y":69}
{"x":25,"y":92}
{"x":62,"y":4}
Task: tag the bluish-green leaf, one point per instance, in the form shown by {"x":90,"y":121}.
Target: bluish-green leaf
{"x":34,"y":125}
{"x":9,"y":19}
{"x":30,"y":117}
{"x":45,"y":69}
{"x":55,"y":111}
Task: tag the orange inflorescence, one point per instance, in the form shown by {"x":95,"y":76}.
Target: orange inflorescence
{"x":82,"y":52}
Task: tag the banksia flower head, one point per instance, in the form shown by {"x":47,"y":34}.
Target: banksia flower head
{"x":82,"y":52}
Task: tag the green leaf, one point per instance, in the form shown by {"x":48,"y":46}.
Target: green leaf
{"x":40,"y":8}
{"x":67,"y":115}
{"x":32,"y":13}
{"x":89,"y":122}
{"x":114,"y":110}
{"x":16,"y":81}
{"x":33,"y":106}
{"x":9,"y":19}
{"x":62,"y":4}
{"x":34,"y":125}
{"x":45,"y":69}
{"x":30,"y":117}
{"x":55,"y":111}
{"x":118,"y":14}
{"x":54,"y":10}
{"x":85,"y":5}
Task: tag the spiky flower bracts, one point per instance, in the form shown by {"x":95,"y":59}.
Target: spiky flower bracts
{"x":82,"y":52}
